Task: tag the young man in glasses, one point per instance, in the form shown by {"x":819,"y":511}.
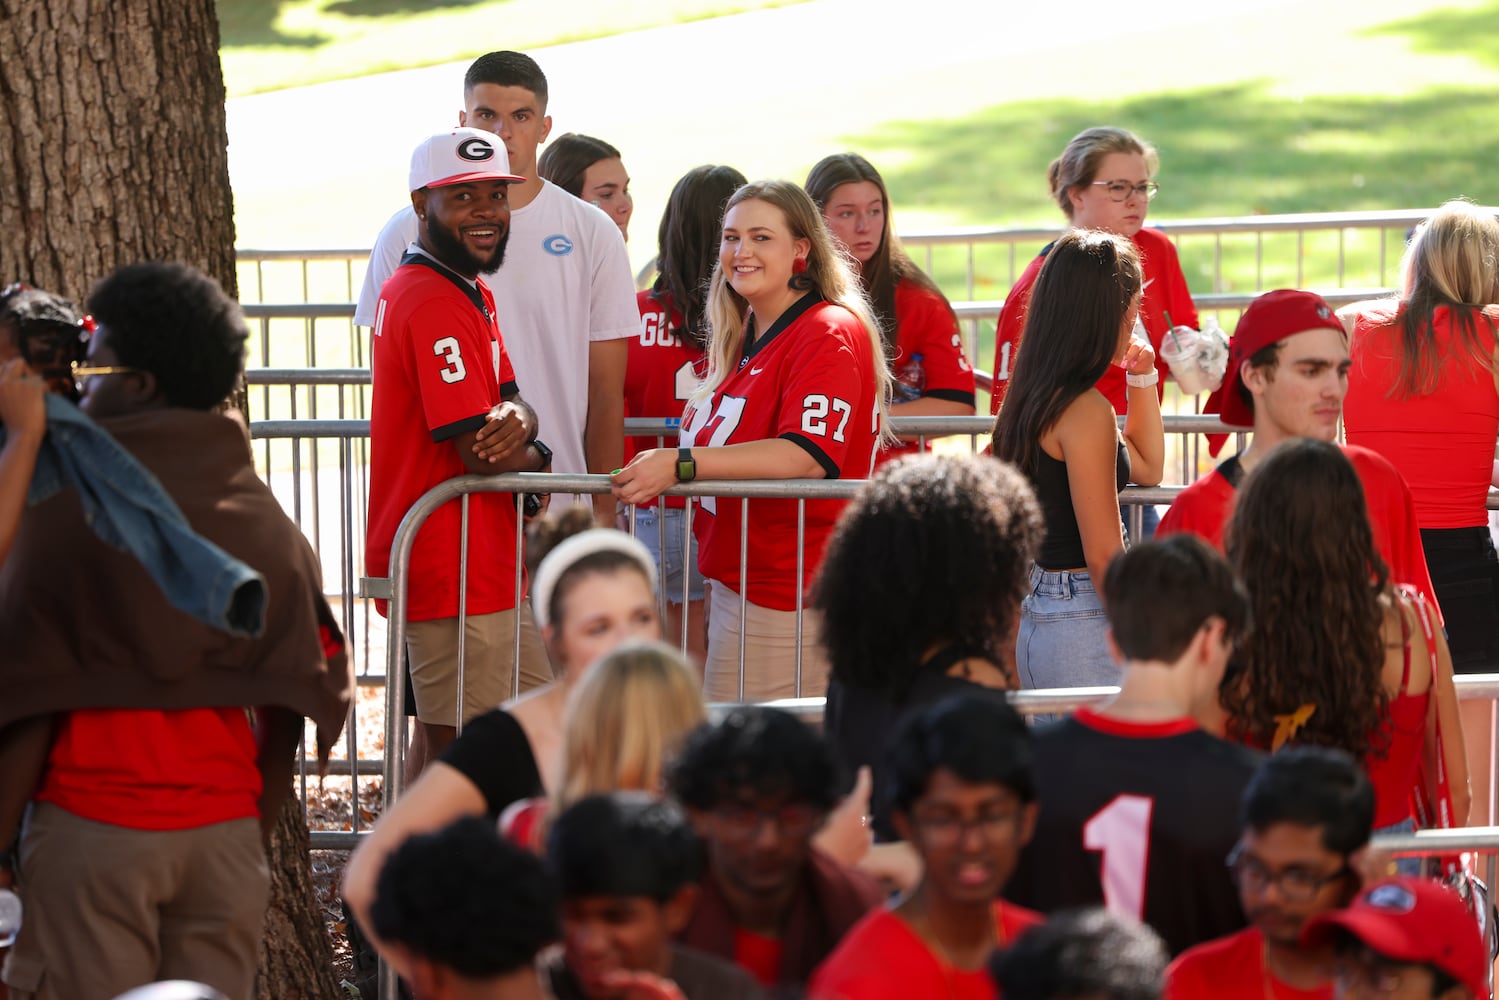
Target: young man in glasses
{"x":1308,"y":815}
{"x":758,"y":785}
{"x":1405,"y":939}
{"x":628,"y":865}
{"x":1139,"y":805}
{"x":963,"y":796}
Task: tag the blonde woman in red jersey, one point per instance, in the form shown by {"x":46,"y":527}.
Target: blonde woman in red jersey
{"x":797,"y":387}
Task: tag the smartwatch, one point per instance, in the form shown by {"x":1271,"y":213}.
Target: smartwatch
{"x":545,"y":453}
{"x":686,"y":466}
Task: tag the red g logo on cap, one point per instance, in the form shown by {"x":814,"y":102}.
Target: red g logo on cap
{"x":475,"y":150}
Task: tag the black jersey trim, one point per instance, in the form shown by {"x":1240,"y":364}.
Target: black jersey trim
{"x":509,"y":390}
{"x":449,"y":431}
{"x":951,"y":395}
{"x":470,"y":292}
{"x":753,"y":346}
{"x":1231,"y":470}
{"x":829,"y":467}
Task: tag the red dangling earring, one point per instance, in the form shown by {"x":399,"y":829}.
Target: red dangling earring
{"x":798,"y":265}
{"x":800,"y":280}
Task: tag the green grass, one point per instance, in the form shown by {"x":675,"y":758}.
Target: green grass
{"x":271,"y":44}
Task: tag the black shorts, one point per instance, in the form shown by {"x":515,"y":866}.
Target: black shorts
{"x":1465,"y":572}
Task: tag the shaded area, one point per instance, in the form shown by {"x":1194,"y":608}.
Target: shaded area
{"x":386,"y":8}
{"x":1451,"y":32}
{"x":1232,"y":150}
{"x":253,"y":24}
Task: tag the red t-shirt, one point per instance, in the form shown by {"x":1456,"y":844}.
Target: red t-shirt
{"x":881,"y":957}
{"x":1165,"y":292}
{"x":925,"y":325}
{"x":1231,"y":968}
{"x":810,"y":379}
{"x":662,"y":370}
{"x":1442,"y":443}
{"x":1203,"y":509}
{"x":438,"y":368}
{"x":154,"y":770}
{"x":758,"y":955}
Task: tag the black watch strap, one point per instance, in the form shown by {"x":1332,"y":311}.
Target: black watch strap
{"x":686,"y":466}
{"x":545,"y":453}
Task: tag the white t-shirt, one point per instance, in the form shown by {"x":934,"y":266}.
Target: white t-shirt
{"x":565,"y":283}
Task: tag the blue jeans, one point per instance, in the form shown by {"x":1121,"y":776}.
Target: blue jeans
{"x":1407,"y":866}
{"x":669,"y":561}
{"x":1061,"y":641}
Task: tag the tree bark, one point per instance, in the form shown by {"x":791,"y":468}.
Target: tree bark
{"x":113,"y":146}
{"x":296,"y":957}
{"x":113,"y":150}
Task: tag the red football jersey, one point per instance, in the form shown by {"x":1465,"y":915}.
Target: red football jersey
{"x":1165,"y":292}
{"x":809,"y":379}
{"x":438,"y":368}
{"x":925,"y":325}
{"x":662,"y":371}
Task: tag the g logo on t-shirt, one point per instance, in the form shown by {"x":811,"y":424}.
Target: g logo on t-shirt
{"x":557,"y":245}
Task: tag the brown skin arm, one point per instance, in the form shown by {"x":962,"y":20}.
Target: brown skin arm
{"x":604,"y":433}
{"x":276,"y":734}
{"x":500,"y":445}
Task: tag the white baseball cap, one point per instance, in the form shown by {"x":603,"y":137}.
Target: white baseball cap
{"x":458,"y":157}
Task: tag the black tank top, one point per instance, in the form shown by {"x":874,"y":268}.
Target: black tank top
{"x":1062,"y":548}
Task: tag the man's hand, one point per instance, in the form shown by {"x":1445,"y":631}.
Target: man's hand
{"x":505,"y":430}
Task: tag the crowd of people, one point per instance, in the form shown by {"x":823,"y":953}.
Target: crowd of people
{"x":577,"y":822}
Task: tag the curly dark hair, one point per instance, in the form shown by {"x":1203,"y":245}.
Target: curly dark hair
{"x":624,"y":844}
{"x":1300,"y":540}
{"x":1082,"y":953}
{"x":982,"y":740}
{"x":467,"y":899}
{"x":936,"y":549}
{"x":177,"y":323}
{"x":760,"y":751}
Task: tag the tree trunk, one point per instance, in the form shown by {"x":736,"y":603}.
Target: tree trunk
{"x":296,"y":957}
{"x":113,"y":150}
{"x":113,"y":147}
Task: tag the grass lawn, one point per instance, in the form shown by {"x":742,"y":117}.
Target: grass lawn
{"x":271,"y":44}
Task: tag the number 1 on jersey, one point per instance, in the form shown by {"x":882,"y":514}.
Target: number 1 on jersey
{"x":1120,"y":831}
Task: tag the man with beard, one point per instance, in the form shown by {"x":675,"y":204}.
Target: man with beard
{"x":1308,"y":813}
{"x":446,"y":404}
{"x":964,"y":796}
{"x":758,"y":785}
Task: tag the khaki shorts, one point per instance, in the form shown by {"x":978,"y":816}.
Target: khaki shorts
{"x":488,"y":668}
{"x":109,"y":908}
{"x":769,"y":651}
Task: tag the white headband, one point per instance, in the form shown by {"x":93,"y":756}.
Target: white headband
{"x":567,"y":554}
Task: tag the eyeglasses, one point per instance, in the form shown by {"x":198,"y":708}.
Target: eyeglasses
{"x":1296,"y":885}
{"x":742,"y":822}
{"x":1121,"y":190}
{"x":1367,"y":971}
{"x":947,"y":829}
{"x":82,"y":373}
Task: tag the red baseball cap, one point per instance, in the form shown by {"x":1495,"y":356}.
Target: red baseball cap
{"x":1271,"y":318}
{"x":1413,"y":920}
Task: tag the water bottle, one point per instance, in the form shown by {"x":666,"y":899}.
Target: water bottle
{"x":910,"y":380}
{"x":10,"y":917}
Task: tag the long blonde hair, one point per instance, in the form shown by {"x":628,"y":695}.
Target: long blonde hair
{"x":829,"y":271}
{"x":1452,"y":261}
{"x":623,"y":721}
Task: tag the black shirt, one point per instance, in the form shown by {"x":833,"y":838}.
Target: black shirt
{"x":495,"y":755}
{"x":1155,"y":804}
{"x":1062,"y":545}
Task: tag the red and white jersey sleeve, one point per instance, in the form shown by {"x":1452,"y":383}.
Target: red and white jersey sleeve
{"x":1011,"y":326}
{"x":925,"y":325}
{"x":812,"y":382}
{"x":662,"y":371}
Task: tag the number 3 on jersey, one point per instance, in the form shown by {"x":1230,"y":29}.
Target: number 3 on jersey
{"x":815,"y":411}
{"x":447,"y":349}
{"x":714,"y":432}
{"x":1120,"y":831}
